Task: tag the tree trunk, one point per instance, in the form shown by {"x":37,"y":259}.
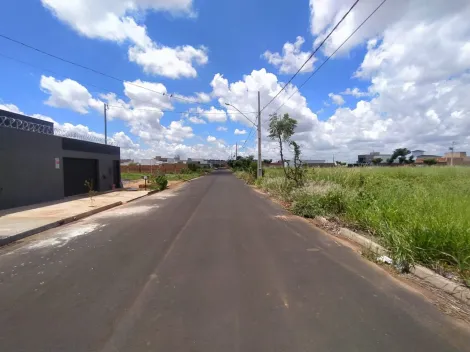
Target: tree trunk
{"x":282,"y":157}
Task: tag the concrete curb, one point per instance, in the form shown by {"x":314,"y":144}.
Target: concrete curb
{"x":458,"y":291}
{"x":145,"y":195}
{"x":195,"y":178}
{"x":19,"y":236}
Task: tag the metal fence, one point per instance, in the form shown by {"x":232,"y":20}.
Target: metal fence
{"x":19,"y":124}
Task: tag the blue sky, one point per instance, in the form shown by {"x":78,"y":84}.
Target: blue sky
{"x":234,"y":36}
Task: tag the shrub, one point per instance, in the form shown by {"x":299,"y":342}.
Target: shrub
{"x":334,"y":202}
{"x":278,"y":187}
{"x":161,"y":181}
{"x":420,"y":214}
{"x":193,"y":167}
{"x":246,"y":176}
{"x":307,"y":206}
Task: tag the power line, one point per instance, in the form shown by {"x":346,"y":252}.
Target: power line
{"x":179,"y":112}
{"x":329,"y":57}
{"x":312,"y":54}
{"x":96,"y":71}
{"x":51,"y":71}
{"x":247,"y":138}
{"x":119,"y":94}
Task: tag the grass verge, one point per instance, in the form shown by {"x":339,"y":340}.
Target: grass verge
{"x":422,"y":215}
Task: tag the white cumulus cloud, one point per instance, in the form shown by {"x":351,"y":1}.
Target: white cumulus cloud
{"x":291,"y":59}
{"x":112,"y":20}
{"x":116,"y":21}
{"x":169,"y":62}
{"x":213,"y":114}
{"x":177,"y":132}
{"x":237,"y":131}
{"x":355,"y":92}
{"x":11,"y":108}
{"x":336,"y":99}
{"x":67,"y":94}
{"x":197,"y":120}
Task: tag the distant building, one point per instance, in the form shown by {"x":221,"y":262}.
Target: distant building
{"x":417,"y":153}
{"x":366,"y":159}
{"x":427,"y":156}
{"x":195,"y":161}
{"x":457,"y":158}
{"x":309,"y":162}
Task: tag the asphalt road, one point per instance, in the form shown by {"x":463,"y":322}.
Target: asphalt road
{"x":212,"y":266}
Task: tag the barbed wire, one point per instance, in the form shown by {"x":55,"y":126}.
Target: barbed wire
{"x":18,"y":124}
{"x":11,"y":122}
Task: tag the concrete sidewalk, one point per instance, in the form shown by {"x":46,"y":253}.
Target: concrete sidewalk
{"x":17,"y":225}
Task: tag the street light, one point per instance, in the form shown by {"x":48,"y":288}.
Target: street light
{"x":258,"y":127}
{"x":254,"y":124}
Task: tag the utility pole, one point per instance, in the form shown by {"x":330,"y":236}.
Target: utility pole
{"x":452,"y":155}
{"x":236,"y":150}
{"x":260,"y":162}
{"x":105,"y":108}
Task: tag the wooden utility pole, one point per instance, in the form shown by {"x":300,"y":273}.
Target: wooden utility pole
{"x":260,"y":162}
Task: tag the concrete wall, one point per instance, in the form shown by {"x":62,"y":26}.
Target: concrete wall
{"x":28,"y":172}
{"x":27,"y":168}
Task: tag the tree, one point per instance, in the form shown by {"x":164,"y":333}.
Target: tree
{"x":281,"y":130}
{"x":377,"y":161}
{"x":297,"y":173}
{"x":267,"y":161}
{"x":401,"y":154}
{"x":243,"y":164}
{"x":430,"y":162}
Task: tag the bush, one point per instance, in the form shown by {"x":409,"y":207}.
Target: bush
{"x":307,"y":206}
{"x":193,"y":167}
{"x":334,"y":202}
{"x":161,"y":181}
{"x":420,"y":214}
{"x":246,"y":176}
{"x":278,"y":187}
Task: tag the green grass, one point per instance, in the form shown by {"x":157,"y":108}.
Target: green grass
{"x":131,"y":176}
{"x":182,"y":177}
{"x":421,"y":214}
{"x":171,"y":177}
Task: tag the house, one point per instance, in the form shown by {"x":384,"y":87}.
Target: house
{"x":420,"y":159}
{"x":457,"y":158}
{"x":43,"y":166}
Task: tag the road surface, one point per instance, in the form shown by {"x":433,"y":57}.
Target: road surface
{"x":212,"y":266}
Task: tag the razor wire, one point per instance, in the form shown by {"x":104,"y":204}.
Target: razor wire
{"x":18,"y":124}
{"x":11,"y":122}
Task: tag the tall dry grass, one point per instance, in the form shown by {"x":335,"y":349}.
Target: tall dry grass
{"x":421,"y":214}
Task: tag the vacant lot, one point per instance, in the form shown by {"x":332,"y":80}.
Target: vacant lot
{"x":130,"y":176}
{"x":421,"y":214}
